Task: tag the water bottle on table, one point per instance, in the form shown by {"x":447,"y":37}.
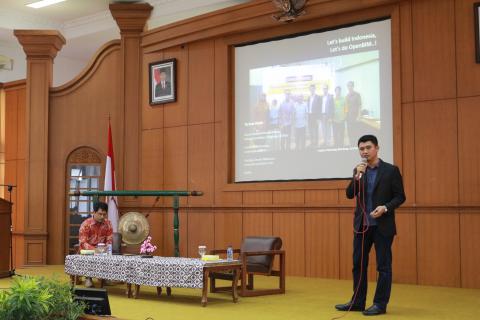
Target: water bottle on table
{"x":229,"y":253}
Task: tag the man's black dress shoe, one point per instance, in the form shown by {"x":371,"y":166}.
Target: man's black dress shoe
{"x":374,"y":311}
{"x":346,"y":307}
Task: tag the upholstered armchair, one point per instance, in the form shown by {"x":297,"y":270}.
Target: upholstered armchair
{"x":257,"y":255}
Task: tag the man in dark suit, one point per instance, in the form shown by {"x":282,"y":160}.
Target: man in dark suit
{"x":378,"y":188}
{"x":314,"y":108}
{"x":163,"y":87}
{"x":327,"y":107}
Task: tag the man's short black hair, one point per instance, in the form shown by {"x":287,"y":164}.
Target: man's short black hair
{"x":366,"y":138}
{"x":100,"y":205}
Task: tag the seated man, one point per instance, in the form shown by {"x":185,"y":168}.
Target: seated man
{"x":95,"y":230}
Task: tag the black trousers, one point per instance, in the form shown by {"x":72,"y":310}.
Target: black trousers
{"x":383,"y":250}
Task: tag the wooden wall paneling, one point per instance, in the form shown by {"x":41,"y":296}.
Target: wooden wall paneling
{"x":201,"y":163}
{"x":436,"y":152}
{"x":405,"y":248}
{"x":21,"y":129}
{"x":291,"y":197}
{"x":434,"y":68}
{"x":175,"y":160}
{"x":201,"y":82}
{"x":346,"y":243}
{"x":95,"y":95}
{"x":321,"y":197}
{"x":156,"y":221}
{"x":11,"y":178}
{"x":223,"y":88}
{"x":201,"y":231}
{"x":35,"y":251}
{"x":175,"y":113}
{"x":152,"y":116}
{"x":322,"y":244}
{"x":228,"y":228}
{"x":152,"y":165}
{"x":168,"y":243}
{"x":290,"y":226}
{"x":257,"y":223}
{"x":470,"y":253}
{"x":257,"y":197}
{"x":438,"y":246}
{"x":406,"y":50}
{"x":469,"y":150}
{"x":11,"y":124}
{"x":223,"y":198}
{"x":468,"y":70}
{"x":396,"y":87}
{"x":408,"y":151}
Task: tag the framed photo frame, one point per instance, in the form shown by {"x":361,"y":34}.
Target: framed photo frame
{"x":162,"y":81}
{"x":476,"y":13}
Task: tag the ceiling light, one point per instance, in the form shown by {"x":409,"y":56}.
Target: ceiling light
{"x":43,"y":3}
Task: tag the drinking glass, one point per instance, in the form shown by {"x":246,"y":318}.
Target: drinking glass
{"x":202,"y":250}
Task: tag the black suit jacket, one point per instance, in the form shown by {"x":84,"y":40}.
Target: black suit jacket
{"x":387,"y":190}
{"x":159,"y":91}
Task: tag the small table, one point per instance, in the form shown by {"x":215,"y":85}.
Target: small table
{"x":157,"y":271}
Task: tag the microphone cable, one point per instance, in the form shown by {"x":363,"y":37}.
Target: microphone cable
{"x":360,"y":202}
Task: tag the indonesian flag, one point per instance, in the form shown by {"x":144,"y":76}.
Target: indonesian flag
{"x":109,"y":184}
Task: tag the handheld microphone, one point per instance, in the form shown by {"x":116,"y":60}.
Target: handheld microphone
{"x":360,"y":174}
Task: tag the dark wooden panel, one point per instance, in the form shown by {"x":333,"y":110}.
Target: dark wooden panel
{"x":11,"y":124}
{"x":155,"y":219}
{"x":257,"y":223}
{"x":290,"y":226}
{"x":408,"y":151}
{"x":321,"y":244}
{"x":436,"y":154}
{"x":469,"y":150}
{"x":201,"y":231}
{"x":406,"y":51}
{"x":405,"y":248}
{"x":434,"y":72}
{"x":470,"y":255}
{"x":175,"y":113}
{"x":257,"y":197}
{"x":321,"y":197}
{"x":152,"y":116}
{"x":201,"y":83}
{"x":228,"y":229}
{"x":175,"y":159}
{"x":292,"y":197}
{"x":438,"y":247}
{"x":468,"y":71}
{"x":201,"y":163}
{"x":152,"y":160}
{"x":346,"y":244}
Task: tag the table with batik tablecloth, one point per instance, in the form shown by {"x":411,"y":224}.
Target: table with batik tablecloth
{"x":157,"y":271}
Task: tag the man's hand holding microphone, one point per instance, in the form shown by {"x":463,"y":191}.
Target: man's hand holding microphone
{"x":360,"y":169}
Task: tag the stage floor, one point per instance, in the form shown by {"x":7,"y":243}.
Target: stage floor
{"x":306,"y":298}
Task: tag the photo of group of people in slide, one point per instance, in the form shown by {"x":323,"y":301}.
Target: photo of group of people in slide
{"x":314,"y":106}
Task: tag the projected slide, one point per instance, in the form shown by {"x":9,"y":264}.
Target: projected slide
{"x":302,"y":103}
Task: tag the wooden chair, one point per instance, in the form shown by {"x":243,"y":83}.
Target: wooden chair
{"x":257,"y":255}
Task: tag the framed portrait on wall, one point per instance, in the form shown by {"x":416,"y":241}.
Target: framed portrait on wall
{"x":162,"y":81}
{"x":476,"y":13}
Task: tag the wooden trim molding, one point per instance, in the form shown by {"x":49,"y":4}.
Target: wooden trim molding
{"x":250,"y":16}
{"x":15,"y":85}
{"x":88,"y":71}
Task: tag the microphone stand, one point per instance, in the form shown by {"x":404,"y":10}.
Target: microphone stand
{"x":11,"y":272}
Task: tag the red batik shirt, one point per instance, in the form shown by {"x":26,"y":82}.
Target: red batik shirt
{"x":92,"y":233}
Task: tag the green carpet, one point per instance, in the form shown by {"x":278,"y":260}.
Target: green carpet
{"x":306,"y":298}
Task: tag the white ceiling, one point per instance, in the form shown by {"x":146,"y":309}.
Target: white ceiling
{"x":86,"y":25}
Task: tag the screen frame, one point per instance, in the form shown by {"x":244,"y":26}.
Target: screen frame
{"x":229,"y":43}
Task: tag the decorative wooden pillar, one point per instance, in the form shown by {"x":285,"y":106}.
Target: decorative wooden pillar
{"x":41,"y":47}
{"x":131,"y":19}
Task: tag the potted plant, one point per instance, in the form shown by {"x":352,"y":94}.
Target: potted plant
{"x":38,"y":298}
